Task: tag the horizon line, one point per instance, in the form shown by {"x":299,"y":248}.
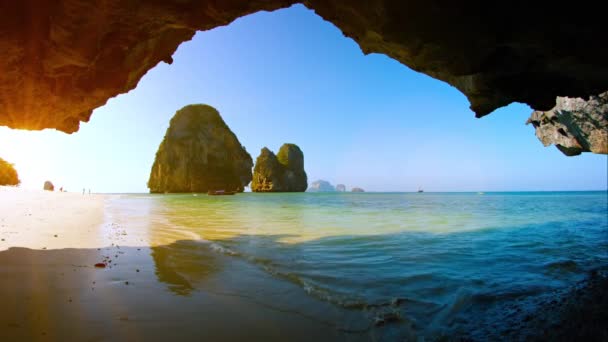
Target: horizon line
{"x":368,"y":192}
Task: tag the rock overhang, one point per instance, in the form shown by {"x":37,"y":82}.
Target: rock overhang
{"x":64,"y":58}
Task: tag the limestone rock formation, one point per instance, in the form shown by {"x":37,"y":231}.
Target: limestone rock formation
{"x":63,"y":58}
{"x":48,"y":186}
{"x":321,"y":186}
{"x":8,"y":174}
{"x":283,"y":172}
{"x":267,"y":173}
{"x":199,"y":153}
{"x":355,"y":189}
{"x":341,"y":188}
{"x":574,"y":125}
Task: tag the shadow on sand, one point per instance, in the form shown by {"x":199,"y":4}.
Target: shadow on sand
{"x":190,"y":290}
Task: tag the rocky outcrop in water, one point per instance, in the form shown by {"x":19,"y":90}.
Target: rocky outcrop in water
{"x":199,"y":153}
{"x":48,"y":186}
{"x":321,"y":186}
{"x":267,"y":173}
{"x":61,"y":59}
{"x":8,"y":174}
{"x":355,"y":189}
{"x":341,"y":188}
{"x":283,"y":172}
{"x":574,"y":125}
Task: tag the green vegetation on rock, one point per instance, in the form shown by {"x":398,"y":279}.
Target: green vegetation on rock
{"x":199,"y":153}
{"x":8,"y":174}
{"x":283,"y":172}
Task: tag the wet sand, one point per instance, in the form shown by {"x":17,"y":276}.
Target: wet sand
{"x":51,"y":289}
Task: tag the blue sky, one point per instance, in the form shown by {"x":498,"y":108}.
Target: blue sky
{"x":289,"y":76}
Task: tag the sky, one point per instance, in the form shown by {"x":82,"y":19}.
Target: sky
{"x":288,"y":76}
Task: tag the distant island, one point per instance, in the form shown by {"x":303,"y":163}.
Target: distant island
{"x":199,"y":153}
{"x":321,"y":186}
{"x":283,"y":172}
{"x":355,"y":189}
{"x":341,"y":188}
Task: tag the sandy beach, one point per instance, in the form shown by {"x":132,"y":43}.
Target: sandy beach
{"x":51,"y":289}
{"x":169,"y":284}
{"x":49,"y":220}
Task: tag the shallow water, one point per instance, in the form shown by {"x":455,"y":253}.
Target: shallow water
{"x":431,"y":263}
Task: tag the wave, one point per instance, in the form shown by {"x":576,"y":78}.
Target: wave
{"x":381,"y":310}
{"x":220,"y":249}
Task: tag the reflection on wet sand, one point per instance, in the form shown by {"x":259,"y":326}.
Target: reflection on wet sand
{"x":183,"y":265}
{"x":182,"y":292}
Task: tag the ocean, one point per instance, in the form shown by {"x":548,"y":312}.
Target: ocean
{"x":422,"y":264}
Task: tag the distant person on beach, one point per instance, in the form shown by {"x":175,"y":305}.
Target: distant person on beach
{"x":89,"y":191}
{"x":83,"y":191}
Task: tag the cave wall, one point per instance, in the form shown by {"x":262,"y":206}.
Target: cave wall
{"x":63,"y":58}
{"x":574,"y":125}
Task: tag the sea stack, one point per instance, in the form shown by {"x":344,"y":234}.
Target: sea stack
{"x":8,"y":174}
{"x":283,"y":172}
{"x":199,"y":153}
{"x":341,"y":188}
{"x":355,"y":189}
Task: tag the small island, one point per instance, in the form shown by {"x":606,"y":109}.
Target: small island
{"x":321,"y":186}
{"x":283,"y":172}
{"x":356,"y":189}
{"x":199,"y":153}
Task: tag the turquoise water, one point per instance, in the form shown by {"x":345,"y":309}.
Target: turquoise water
{"x":442,"y":262}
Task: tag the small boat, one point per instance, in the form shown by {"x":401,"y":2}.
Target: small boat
{"x":220,"y":192}
{"x":420,"y":189}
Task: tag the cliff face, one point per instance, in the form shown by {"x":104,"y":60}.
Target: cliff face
{"x":199,"y":153}
{"x":8,"y":174}
{"x":280,"y":173}
{"x":574,"y":125}
{"x":291,"y":157}
{"x":63,"y":58}
{"x":267,"y":173}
